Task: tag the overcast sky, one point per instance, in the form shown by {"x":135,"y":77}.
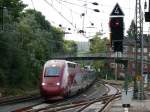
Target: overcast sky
{"x":68,"y":14}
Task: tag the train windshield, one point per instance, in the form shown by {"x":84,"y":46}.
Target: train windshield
{"x":52,"y":71}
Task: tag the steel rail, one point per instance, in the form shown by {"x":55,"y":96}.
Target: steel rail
{"x":81,"y":104}
{"x":84,"y":104}
{"x":112,"y":98}
{"x":17,"y":99}
{"x":69,"y":102}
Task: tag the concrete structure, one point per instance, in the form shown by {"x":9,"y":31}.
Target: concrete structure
{"x":130,"y":50}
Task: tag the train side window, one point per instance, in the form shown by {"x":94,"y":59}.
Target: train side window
{"x":70,"y":65}
{"x":71,"y":68}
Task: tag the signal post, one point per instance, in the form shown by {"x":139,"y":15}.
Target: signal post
{"x":116,"y":29}
{"x":116,"y":38}
{"x":116,"y":25}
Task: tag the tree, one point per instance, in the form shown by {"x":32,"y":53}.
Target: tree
{"x":14,"y":7}
{"x":98,"y":45}
{"x":40,"y":19}
{"x":131,"y":30}
{"x":70,"y":47}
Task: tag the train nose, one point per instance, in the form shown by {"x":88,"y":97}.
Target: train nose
{"x":55,"y":90}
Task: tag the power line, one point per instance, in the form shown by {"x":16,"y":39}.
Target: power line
{"x":76,"y":4}
{"x":62,"y":3}
{"x":33,"y":4}
{"x":59,"y":13}
{"x":79,"y":14}
{"x":69,"y":8}
{"x":84,"y":1}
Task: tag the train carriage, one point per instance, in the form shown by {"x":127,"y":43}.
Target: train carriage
{"x":62,"y":78}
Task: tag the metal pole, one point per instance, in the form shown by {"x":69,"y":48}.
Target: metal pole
{"x":1,"y":7}
{"x":126,"y":76}
{"x":138,"y":85}
{"x":136,"y":64}
{"x":149,"y":5}
{"x":116,"y":70}
{"x":142,"y":47}
{"x":142,"y":86}
{"x":139,"y":29}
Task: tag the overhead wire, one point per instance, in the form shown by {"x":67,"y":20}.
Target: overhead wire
{"x":71,"y":10}
{"x":75,"y":11}
{"x":75,"y":4}
{"x":84,"y":1}
{"x":82,"y":6}
{"x":51,"y":5}
{"x":65,"y":6}
{"x":91,"y":8}
{"x":33,"y":4}
{"x":52,"y":1}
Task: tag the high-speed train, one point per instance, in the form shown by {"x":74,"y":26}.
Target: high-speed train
{"x":61,"y":78}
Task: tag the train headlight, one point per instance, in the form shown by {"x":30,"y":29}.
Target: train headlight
{"x":58,"y":84}
{"x":43,"y":84}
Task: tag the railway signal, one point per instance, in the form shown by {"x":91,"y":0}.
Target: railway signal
{"x":147,"y":14}
{"x":117,"y":29}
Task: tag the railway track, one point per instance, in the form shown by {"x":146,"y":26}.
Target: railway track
{"x":98,"y":104}
{"x":17,"y":99}
{"x":81,"y":105}
{"x":78,"y":103}
{"x":8,"y":104}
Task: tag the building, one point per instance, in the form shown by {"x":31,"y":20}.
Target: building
{"x":83,"y":47}
{"x":129,"y":50}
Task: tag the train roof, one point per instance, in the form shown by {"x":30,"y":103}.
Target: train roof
{"x":47,"y":63}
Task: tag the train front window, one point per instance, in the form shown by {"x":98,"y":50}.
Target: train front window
{"x":52,"y":71}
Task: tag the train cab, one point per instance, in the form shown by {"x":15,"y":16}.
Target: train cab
{"x":51,"y":79}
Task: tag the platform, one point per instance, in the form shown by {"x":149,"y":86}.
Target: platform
{"x":135,"y":106}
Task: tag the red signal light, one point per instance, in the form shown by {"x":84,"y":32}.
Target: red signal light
{"x":117,"y":23}
{"x":114,"y":23}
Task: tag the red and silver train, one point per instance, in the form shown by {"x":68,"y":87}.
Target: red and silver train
{"x":61,"y":78}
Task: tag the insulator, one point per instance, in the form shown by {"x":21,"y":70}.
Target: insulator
{"x":60,"y":25}
{"x":95,"y":3}
{"x":92,"y":24}
{"x":145,"y":5}
{"x":81,"y":31}
{"x":82,"y":14}
{"x":96,"y":10}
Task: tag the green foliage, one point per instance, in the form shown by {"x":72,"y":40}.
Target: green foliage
{"x":40,"y":19}
{"x":131,"y":30}
{"x":98,"y":45}
{"x":25,"y":48}
{"x":14,"y":7}
{"x":70,"y":47}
